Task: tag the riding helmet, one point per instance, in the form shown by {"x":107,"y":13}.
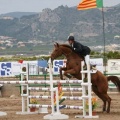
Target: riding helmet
{"x":70,"y":37}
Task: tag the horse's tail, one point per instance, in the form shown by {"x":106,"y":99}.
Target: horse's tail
{"x":115,"y":80}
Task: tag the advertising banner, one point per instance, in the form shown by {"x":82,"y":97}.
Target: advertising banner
{"x":60,"y":63}
{"x":5,"y":69}
{"x":10,"y":69}
{"x":114,"y":66}
{"x":57,"y":64}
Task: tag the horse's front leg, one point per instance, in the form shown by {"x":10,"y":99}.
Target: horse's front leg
{"x":70,"y":71}
{"x":62,"y":69}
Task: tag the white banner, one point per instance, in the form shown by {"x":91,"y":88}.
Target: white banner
{"x":114,"y":66}
{"x":9,"y":69}
{"x":60,"y":63}
{"x":15,"y":68}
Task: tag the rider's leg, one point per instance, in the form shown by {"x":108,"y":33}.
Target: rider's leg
{"x":86,"y":60}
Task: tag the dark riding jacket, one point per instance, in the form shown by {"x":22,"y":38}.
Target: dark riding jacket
{"x":81,"y":49}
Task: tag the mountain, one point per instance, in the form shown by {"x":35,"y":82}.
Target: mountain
{"x":57,"y":24}
{"x":17,"y":14}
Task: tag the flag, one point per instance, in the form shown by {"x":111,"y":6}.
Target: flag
{"x":20,"y":61}
{"x":89,"y":4}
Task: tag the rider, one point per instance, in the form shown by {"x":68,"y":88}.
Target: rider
{"x":80,"y":49}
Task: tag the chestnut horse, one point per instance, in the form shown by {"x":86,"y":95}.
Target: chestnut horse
{"x":73,"y":68}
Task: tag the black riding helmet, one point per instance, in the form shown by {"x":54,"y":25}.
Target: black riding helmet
{"x":70,"y":37}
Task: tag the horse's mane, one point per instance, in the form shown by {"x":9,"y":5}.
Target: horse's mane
{"x":66,"y":45}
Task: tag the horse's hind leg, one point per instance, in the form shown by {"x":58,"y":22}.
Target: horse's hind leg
{"x":104,"y":96}
{"x":104,"y":104}
{"x":95,"y":90}
{"x":109,"y":103}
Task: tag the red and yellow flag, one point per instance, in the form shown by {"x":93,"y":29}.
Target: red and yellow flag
{"x":89,"y":4}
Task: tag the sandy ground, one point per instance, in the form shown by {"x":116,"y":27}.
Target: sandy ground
{"x":13,"y":105}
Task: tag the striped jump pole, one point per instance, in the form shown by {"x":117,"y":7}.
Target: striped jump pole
{"x":40,"y":82}
{"x":65,"y":97}
{"x":48,"y":89}
{"x":55,"y":114}
{"x":50,"y":106}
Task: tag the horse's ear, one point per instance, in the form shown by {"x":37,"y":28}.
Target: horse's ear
{"x":56,"y":44}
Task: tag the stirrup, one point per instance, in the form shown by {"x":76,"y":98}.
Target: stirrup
{"x":93,"y":67}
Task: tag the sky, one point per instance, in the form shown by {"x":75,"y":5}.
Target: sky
{"x":7,"y":6}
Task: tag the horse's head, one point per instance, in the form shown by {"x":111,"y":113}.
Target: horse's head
{"x":64,"y":49}
{"x":56,"y":52}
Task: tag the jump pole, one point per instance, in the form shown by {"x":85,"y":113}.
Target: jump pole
{"x":55,"y":114}
{"x":86,"y":86}
{"x":25,"y":98}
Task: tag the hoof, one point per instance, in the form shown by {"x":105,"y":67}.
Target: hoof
{"x":104,"y":109}
{"x":108,"y":111}
{"x":104,"y":112}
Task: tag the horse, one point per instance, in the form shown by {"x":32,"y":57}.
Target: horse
{"x":73,"y":68}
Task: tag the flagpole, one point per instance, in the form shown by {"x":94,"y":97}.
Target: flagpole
{"x":104,"y":37}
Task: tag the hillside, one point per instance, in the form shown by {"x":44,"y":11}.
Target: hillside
{"x":57,"y":24}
